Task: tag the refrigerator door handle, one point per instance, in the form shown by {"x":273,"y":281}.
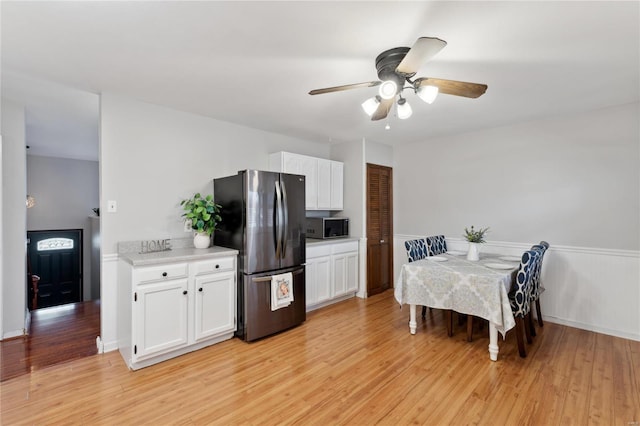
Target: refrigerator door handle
{"x":278,"y":214}
{"x":285,"y":216}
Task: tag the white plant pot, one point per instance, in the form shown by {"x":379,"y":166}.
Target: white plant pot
{"x":474,"y":252}
{"x":201,"y":240}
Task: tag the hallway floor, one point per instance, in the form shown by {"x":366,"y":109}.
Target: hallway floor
{"x":57,"y":334}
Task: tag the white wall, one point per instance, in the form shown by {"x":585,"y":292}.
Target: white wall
{"x":153,"y":157}
{"x":379,"y":153}
{"x":14,"y":192}
{"x":573,"y":181}
{"x":65,"y":191}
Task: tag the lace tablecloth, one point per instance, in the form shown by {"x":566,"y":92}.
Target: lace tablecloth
{"x":460,"y":285}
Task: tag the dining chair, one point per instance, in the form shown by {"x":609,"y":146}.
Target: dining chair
{"x":537,"y":287}
{"x":520,"y":298}
{"x":416,"y":250}
{"x":436,"y":244}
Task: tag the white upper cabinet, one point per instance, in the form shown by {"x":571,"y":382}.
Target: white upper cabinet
{"x":324,"y":178}
{"x":337,"y":184}
{"x":324,"y":184}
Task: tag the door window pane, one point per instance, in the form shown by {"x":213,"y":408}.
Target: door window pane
{"x":55,"y":244}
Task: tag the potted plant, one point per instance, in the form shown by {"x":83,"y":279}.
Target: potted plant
{"x":474,"y":237}
{"x":204,"y":215}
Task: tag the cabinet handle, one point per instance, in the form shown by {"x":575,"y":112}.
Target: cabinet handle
{"x":184,"y":292}
{"x":217,"y":266}
{"x":164,"y":274}
{"x":200,"y":289}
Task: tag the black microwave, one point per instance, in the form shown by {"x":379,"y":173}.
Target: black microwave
{"x":327,"y":227}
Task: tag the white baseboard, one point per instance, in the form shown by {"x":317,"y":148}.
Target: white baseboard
{"x":588,"y":327}
{"x":12,"y":334}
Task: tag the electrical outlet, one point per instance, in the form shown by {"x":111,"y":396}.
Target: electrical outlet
{"x":187,"y":225}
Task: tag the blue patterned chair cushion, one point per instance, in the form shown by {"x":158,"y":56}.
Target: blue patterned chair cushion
{"x":436,"y":245}
{"x":520,"y":294}
{"x":416,"y":249}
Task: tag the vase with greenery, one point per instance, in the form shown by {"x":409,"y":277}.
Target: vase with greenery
{"x":474,"y":237}
{"x":204,"y":215}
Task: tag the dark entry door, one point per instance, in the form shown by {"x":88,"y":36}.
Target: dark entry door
{"x":379,"y":229}
{"x":56,"y":257}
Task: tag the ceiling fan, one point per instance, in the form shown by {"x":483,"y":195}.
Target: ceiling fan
{"x":396,"y":67}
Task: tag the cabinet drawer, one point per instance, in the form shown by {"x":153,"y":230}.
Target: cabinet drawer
{"x":318,"y":250}
{"x":158,"y":273}
{"x":345,"y":247}
{"x":214,"y":265}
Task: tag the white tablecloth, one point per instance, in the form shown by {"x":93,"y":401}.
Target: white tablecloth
{"x":461,"y":285}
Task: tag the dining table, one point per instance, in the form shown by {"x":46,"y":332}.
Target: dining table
{"x":449,"y":281}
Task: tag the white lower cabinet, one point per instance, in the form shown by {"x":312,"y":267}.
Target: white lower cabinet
{"x":318,"y":280}
{"x":215,"y":305}
{"x":160,"y":317}
{"x":331,"y":273}
{"x":170,"y":309}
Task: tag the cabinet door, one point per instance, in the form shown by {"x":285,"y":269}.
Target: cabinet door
{"x":215,"y":302}
{"x":291,"y":163}
{"x":322,"y":278}
{"x":324,"y":184}
{"x":310,"y":283}
{"x":339,"y":274}
{"x":352,"y":272}
{"x":160,"y":317}
{"x":337,"y":184}
{"x":309,"y":168}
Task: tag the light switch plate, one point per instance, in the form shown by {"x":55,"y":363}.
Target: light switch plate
{"x":112,"y":206}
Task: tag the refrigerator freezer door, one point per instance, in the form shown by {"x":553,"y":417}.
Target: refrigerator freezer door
{"x":294,"y":226}
{"x":259,"y":320}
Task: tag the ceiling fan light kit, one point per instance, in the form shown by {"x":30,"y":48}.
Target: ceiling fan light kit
{"x":388,"y":89}
{"x":427,"y":93}
{"x":371,"y":105}
{"x":404,"y":109}
{"x":397,"y":66}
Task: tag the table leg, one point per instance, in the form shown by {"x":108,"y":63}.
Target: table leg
{"x":493,"y":342}
{"x":412,"y":319}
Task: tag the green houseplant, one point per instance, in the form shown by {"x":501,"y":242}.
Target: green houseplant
{"x":204,"y":215}
{"x":475,"y":237}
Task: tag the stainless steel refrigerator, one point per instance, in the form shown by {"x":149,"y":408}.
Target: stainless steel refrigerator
{"x":263,"y":216}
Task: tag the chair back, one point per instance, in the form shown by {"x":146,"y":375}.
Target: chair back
{"x":416,"y":249}
{"x":520,"y":294}
{"x":436,"y":245}
{"x":536,"y":288}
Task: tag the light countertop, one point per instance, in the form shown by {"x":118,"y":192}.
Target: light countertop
{"x":177,"y":255}
{"x":316,"y":241}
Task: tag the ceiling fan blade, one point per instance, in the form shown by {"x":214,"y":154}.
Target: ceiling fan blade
{"x":383,"y":109}
{"x":452,"y":87}
{"x":423,"y":49}
{"x":345,"y":87}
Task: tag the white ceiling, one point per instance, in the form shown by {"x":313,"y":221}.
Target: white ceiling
{"x":253,"y":63}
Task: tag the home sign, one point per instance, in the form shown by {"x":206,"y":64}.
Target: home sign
{"x":153,"y":246}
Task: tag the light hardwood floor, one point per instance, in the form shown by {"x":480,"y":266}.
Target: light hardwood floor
{"x":350,"y":363}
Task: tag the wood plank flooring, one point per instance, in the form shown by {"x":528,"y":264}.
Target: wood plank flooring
{"x":57,"y":334}
{"x":350,"y":363}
